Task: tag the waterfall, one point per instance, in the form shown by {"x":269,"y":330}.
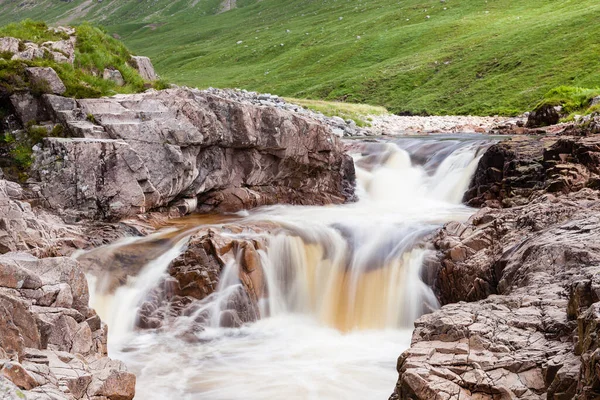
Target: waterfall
{"x":342,"y":288}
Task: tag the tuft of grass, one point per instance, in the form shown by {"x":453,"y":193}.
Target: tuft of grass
{"x":359,"y":113}
{"x":33,"y":31}
{"x":572,"y":99}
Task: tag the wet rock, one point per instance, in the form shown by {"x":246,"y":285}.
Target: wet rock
{"x":529,"y":329}
{"x":195,"y":275}
{"x":518,"y":170}
{"x":543,"y":116}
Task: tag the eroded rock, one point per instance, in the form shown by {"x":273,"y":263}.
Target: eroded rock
{"x":141,"y":152}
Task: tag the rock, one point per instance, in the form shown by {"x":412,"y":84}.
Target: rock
{"x":31,"y":52}
{"x":9,"y":45}
{"x":9,"y":390}
{"x":543,"y":116}
{"x":15,"y":276}
{"x":63,"y":50}
{"x":144,"y":67}
{"x":113,"y":75}
{"x":141,"y":152}
{"x":515,"y":171}
{"x":519,"y":335}
{"x":55,"y":343}
{"x":14,"y":372}
{"x":46,"y":76}
{"x":195,"y":275}
{"x":28,"y":108}
{"x":111,"y":380}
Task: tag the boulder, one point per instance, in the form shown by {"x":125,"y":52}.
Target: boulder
{"x":141,"y":152}
{"x":518,"y":170}
{"x":47,"y":78}
{"x":144,"y":67}
{"x":28,"y":108}
{"x":543,"y":116}
{"x":195,"y":275}
{"x":9,"y":45}
{"x":113,"y":75}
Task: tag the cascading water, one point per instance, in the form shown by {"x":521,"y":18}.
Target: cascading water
{"x":342,"y":289}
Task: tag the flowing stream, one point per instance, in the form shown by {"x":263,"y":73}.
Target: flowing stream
{"x":343,"y":289}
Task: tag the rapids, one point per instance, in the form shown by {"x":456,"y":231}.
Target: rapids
{"x":343,"y":288}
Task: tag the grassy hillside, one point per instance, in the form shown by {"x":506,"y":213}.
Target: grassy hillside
{"x":418,"y":56}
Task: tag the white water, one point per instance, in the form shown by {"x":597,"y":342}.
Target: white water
{"x":343,"y":286}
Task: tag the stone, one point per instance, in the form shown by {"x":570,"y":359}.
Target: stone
{"x":9,"y":45}
{"x":9,"y":390}
{"x":543,"y":116}
{"x":155,"y":148}
{"x":46,"y":76}
{"x":28,"y":108}
{"x":517,"y":170}
{"x":528,"y":311}
{"x":144,"y":67}
{"x":14,"y":372}
{"x":113,"y":75}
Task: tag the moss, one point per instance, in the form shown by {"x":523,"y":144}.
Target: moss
{"x":91,"y":118}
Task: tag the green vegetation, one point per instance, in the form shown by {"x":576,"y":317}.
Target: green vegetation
{"x":358,"y":112}
{"x":574,"y":100}
{"x":418,"y":56}
{"x":34,"y":31}
{"x":95,"y":50}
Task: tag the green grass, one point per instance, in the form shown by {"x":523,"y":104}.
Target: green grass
{"x":359,"y":113}
{"x":95,"y":50}
{"x":474,"y":57}
{"x":574,"y":100}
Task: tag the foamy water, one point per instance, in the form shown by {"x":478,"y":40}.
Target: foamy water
{"x":343,"y":286}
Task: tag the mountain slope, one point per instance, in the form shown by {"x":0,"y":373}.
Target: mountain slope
{"x":419,"y":56}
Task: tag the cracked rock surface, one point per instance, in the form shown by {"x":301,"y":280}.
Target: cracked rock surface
{"x":187,"y":149}
{"x":520,"y":284}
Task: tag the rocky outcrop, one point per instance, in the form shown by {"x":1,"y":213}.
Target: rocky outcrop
{"x":528,"y":273}
{"x":61,"y":51}
{"x":52,"y":345}
{"x":134,"y":153}
{"x":514,"y":172}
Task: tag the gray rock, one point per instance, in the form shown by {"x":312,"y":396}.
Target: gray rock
{"x":9,"y":44}
{"x":28,"y":108}
{"x":140,"y":152}
{"x":46,"y":76}
{"x":113,"y":75}
{"x":144,"y":67}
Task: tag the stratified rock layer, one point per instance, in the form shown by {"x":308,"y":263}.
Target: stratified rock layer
{"x":529,"y":272}
{"x":52,"y":346}
{"x":185,"y":148}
